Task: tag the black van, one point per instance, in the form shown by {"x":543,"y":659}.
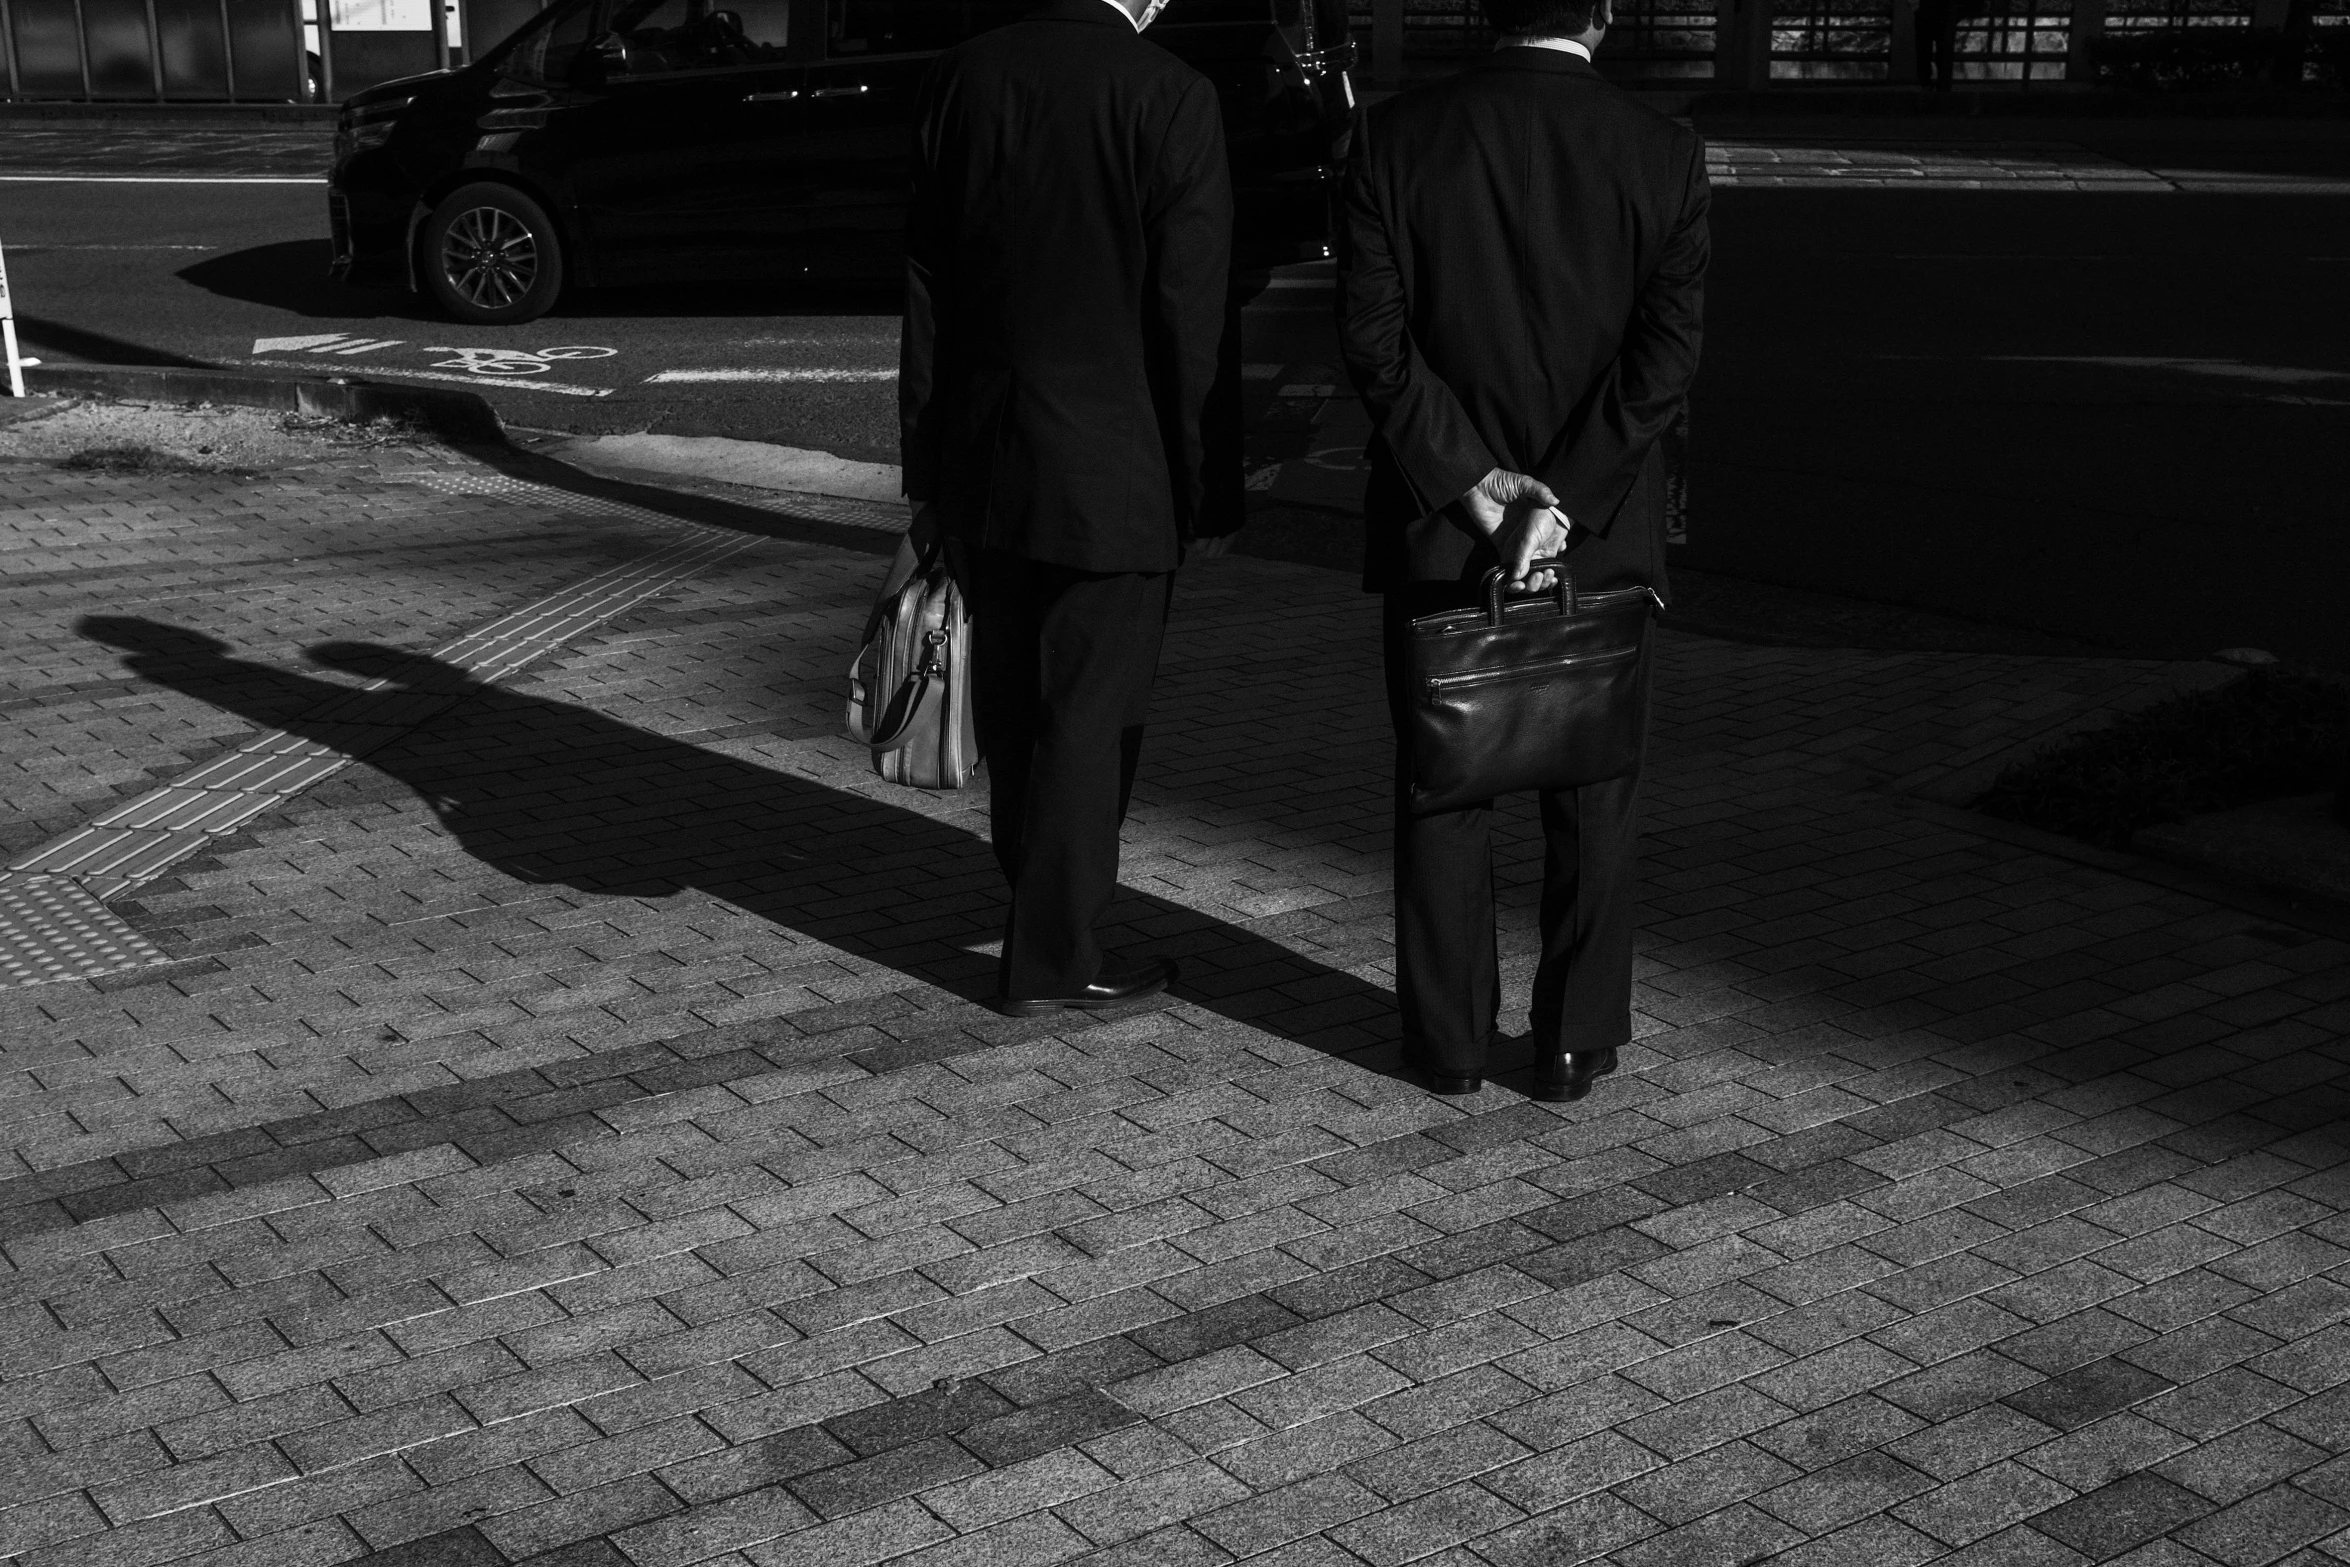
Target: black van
{"x":687,"y":141}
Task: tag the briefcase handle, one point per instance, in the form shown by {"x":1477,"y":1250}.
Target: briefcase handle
{"x":1565,"y":591}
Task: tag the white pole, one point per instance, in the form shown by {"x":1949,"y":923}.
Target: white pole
{"x":8,"y":335}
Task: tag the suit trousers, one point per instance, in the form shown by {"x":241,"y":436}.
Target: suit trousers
{"x":1062,"y":665}
{"x":1448,"y":968}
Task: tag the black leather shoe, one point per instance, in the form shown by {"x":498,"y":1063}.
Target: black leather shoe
{"x":1112,"y":989}
{"x":1443,"y":1080}
{"x":1568,"y":1076}
{"x":1450,"y":1082}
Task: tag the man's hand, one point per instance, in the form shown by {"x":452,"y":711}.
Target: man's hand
{"x":1521,"y":516}
{"x":1213,"y":547}
{"x":1488,"y":500}
{"x":1534,"y":532}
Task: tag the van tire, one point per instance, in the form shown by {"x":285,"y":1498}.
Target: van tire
{"x":490,"y":256}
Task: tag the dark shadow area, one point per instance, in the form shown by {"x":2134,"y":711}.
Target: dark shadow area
{"x":684,"y":505}
{"x":97,"y":347}
{"x":556,"y":795}
{"x":1985,"y":405}
{"x":754,"y":301}
{"x":1737,"y":609}
{"x":292,"y":275}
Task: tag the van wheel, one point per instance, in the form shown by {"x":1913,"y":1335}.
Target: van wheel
{"x":490,"y":256}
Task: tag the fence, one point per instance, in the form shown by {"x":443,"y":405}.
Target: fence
{"x":2019,"y":43}
{"x":235,"y":51}
{"x":98,"y":49}
{"x":304,"y":50}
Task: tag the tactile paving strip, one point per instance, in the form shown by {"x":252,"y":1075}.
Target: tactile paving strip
{"x":52,"y":928}
{"x":805,"y":505}
{"x":138,"y":840}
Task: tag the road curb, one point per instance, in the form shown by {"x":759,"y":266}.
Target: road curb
{"x":467,"y":421}
{"x":456,"y":417}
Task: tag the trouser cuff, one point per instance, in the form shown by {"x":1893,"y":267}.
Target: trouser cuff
{"x":1574,"y":1038}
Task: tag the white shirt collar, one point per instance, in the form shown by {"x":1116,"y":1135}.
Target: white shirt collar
{"x":1517,"y":41}
{"x":1127,"y":16}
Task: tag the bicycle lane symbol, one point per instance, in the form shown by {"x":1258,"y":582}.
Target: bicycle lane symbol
{"x":514,"y":361}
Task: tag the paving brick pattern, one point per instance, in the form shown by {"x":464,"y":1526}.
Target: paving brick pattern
{"x":569,"y":1136}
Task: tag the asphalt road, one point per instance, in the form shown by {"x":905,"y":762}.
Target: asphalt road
{"x":236,"y":275}
{"x":2124,"y":418}
{"x":2117,"y":417}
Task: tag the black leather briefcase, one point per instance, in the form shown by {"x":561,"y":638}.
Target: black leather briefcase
{"x":1540,"y":692}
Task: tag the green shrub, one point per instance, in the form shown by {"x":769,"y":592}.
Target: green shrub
{"x":2205,"y":57}
{"x":2269,"y":734}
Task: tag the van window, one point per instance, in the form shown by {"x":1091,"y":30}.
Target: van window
{"x":899,"y":26}
{"x":548,"y":51}
{"x":1310,"y":26}
{"x":660,"y":37}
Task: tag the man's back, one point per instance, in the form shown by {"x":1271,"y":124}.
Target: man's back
{"x":1537,"y":238}
{"x":1068,"y":249}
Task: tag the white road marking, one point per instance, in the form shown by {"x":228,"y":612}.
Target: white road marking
{"x":785,"y":376}
{"x":513,"y":361}
{"x":295,"y":345}
{"x":564,"y":387}
{"x":162,"y":179}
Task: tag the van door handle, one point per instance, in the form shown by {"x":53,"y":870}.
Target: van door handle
{"x":839,"y":92}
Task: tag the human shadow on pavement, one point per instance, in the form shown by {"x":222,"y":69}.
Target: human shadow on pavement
{"x":553,"y":794}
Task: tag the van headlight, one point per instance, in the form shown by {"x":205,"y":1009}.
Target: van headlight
{"x":368,"y":125}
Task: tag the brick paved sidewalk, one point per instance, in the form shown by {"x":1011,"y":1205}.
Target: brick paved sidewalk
{"x":570,"y":1137}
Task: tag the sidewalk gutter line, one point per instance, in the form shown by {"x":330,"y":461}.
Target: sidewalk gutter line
{"x":517,"y":383}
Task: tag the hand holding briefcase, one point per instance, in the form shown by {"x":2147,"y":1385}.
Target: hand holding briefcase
{"x":1540,"y":692}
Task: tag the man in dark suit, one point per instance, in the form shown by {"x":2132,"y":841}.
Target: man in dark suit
{"x":1069,"y":407}
{"x":1521,"y":281}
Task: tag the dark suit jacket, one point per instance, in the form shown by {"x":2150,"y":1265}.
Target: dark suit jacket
{"x":1521,"y":275}
{"x":1067,"y":261}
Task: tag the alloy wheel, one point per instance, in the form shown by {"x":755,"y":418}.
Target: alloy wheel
{"x":490,"y":257}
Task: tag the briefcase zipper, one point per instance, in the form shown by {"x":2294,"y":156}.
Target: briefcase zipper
{"x":1439,"y":684}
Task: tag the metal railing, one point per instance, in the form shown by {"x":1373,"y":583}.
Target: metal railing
{"x":1650,"y":38}
{"x":94,"y":50}
{"x":228,"y":51}
{"x":2016,"y":43}
{"x":292,"y":50}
